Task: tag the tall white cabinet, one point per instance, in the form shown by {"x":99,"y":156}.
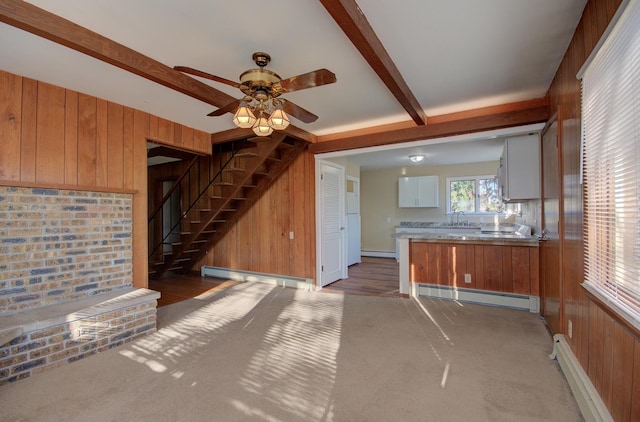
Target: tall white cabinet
{"x":417,"y":192}
{"x":354,"y":251}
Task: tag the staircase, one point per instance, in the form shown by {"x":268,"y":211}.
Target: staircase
{"x":242,"y":175}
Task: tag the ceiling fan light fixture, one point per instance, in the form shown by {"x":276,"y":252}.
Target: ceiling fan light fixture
{"x":244,"y":117}
{"x":278,"y":119}
{"x":261,"y":127}
{"x":416,"y":158}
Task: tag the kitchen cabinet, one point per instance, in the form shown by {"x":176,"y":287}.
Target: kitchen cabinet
{"x":418,"y":192}
{"x":519,"y":172}
{"x":498,"y":268}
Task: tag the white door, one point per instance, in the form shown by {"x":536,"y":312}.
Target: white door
{"x":331,"y":222}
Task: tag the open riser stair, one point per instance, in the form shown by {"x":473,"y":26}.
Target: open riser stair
{"x":214,"y":192}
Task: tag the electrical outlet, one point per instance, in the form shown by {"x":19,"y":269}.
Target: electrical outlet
{"x":570,"y":329}
{"x":291,"y":235}
{"x":467,"y":278}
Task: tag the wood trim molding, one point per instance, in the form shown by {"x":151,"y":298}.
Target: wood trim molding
{"x":350,"y":18}
{"x":58,"y":186}
{"x":54,"y":28}
{"x":506,"y":117}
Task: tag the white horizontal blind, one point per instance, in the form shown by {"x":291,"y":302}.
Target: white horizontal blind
{"x":611,"y":131}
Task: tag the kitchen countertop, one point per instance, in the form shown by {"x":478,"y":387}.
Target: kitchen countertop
{"x":490,"y":227}
{"x":435,"y":224}
{"x":507,"y":238}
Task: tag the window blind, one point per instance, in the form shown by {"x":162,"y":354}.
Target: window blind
{"x":611,"y":165}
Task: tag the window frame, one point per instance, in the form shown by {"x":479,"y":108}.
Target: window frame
{"x":476,"y":180}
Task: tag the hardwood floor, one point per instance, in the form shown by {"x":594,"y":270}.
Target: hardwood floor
{"x":176,"y":288}
{"x":371,"y":277}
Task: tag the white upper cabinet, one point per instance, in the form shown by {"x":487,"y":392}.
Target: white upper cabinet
{"x":519,"y":172}
{"x":418,"y":192}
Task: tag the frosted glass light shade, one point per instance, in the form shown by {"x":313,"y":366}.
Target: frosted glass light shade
{"x":279,"y":119}
{"x":262,"y":128}
{"x":244,"y":117}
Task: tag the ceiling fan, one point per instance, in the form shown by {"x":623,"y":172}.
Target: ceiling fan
{"x":261,"y":108}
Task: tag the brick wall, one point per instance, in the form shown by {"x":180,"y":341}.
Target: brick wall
{"x":62,"y":245}
{"x":41,"y":350}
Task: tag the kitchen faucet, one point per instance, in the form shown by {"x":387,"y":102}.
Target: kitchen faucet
{"x":458,"y":217}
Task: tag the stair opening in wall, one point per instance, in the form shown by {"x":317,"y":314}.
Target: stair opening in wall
{"x":164,"y":166}
{"x":196,"y":200}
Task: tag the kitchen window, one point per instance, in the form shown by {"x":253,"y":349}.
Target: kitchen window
{"x":611,"y":164}
{"x":473,"y":195}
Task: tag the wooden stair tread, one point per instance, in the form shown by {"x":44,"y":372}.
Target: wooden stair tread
{"x":245,"y":154}
{"x":233,"y":170}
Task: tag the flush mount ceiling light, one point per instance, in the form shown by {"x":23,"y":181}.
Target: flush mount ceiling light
{"x":261,"y":109}
{"x":416,"y":158}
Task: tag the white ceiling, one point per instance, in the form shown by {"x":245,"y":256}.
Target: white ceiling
{"x":454,"y":55}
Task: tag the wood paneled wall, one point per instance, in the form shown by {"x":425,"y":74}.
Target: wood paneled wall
{"x":609,"y":352}
{"x":260,"y":241}
{"x":55,"y":137}
{"x":498,"y":268}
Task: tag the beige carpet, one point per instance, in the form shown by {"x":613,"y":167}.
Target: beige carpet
{"x":257,"y":352}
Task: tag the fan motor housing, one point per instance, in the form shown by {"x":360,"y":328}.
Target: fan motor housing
{"x":255,"y":79}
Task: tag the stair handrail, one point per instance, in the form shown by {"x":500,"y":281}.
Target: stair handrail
{"x":183,"y":215}
{"x":175,"y":185}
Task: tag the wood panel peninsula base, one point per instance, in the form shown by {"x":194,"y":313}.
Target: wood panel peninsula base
{"x":486,"y":270}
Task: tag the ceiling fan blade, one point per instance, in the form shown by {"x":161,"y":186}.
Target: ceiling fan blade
{"x":307,"y":80}
{"x":206,"y":75}
{"x":298,"y":112}
{"x":229,"y":108}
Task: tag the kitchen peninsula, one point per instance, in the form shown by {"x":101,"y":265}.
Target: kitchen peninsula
{"x":491,"y":265}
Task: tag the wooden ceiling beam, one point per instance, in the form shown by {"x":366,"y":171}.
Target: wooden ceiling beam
{"x":465,"y":114}
{"x":54,"y":28}
{"x":446,"y":125}
{"x":57,"y":29}
{"x":350,"y":18}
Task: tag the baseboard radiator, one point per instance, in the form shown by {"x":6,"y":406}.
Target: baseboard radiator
{"x":482,"y":297}
{"x":241,"y":275}
{"x":588,"y":399}
{"x":378,"y":254}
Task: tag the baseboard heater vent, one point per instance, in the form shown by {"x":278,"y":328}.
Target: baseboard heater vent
{"x":241,"y":275}
{"x":483,"y":297}
{"x":378,"y":254}
{"x":588,"y":399}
